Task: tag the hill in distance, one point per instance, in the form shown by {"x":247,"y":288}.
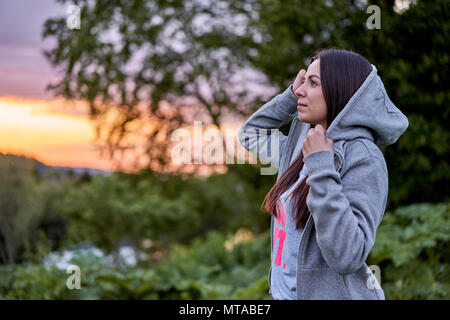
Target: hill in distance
{"x":42,"y":169}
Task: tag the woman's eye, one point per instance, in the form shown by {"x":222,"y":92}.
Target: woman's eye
{"x":312,"y":82}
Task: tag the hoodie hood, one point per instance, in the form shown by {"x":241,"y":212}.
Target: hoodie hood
{"x":369,"y":114}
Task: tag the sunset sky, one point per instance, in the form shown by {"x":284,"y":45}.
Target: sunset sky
{"x":32,"y":121}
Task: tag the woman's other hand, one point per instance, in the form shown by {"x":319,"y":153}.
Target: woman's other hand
{"x":316,"y":141}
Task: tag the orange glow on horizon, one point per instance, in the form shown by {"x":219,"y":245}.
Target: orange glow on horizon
{"x":34,"y":128}
{"x":60,"y":133}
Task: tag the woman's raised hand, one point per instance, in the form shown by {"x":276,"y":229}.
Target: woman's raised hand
{"x":299,"y":80}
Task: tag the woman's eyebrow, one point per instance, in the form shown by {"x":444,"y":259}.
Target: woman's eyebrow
{"x":313,"y":76}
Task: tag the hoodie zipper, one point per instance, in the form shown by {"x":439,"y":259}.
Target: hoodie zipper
{"x":340,"y":161}
{"x":309,"y":218}
{"x":307,"y":229}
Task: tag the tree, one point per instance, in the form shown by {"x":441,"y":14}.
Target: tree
{"x":149,"y":67}
{"x":20,"y":208}
{"x":180,"y":46}
{"x":411,"y":54}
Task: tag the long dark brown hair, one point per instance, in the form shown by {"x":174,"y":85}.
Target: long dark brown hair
{"x":342,"y":72}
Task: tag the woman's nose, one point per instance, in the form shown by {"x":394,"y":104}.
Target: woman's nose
{"x":300,"y":91}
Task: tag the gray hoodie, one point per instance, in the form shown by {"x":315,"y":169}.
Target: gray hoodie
{"x":348,"y":186}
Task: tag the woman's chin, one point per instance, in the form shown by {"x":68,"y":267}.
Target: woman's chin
{"x":301,"y":117}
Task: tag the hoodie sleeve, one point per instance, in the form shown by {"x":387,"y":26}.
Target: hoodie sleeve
{"x":346,"y":211}
{"x":260,"y":134}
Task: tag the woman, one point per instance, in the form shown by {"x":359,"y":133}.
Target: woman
{"x":332,"y":184}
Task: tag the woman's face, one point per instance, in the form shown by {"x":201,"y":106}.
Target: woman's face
{"x":310,"y":94}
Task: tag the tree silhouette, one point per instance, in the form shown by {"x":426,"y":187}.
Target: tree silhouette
{"x":148,"y":67}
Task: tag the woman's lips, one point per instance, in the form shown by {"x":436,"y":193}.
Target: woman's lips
{"x":301,"y":106}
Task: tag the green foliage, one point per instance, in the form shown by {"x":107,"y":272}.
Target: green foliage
{"x":21,"y":208}
{"x":212,"y":268}
{"x":166,"y":209}
{"x":413,"y":251}
{"x":230,"y":201}
{"x":211,"y":262}
{"x":35,"y":282}
{"x":39,"y":252}
{"x":206,"y":271}
{"x":28,"y":214}
{"x":404,"y":233}
{"x":115,"y":208}
{"x":202,"y":257}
